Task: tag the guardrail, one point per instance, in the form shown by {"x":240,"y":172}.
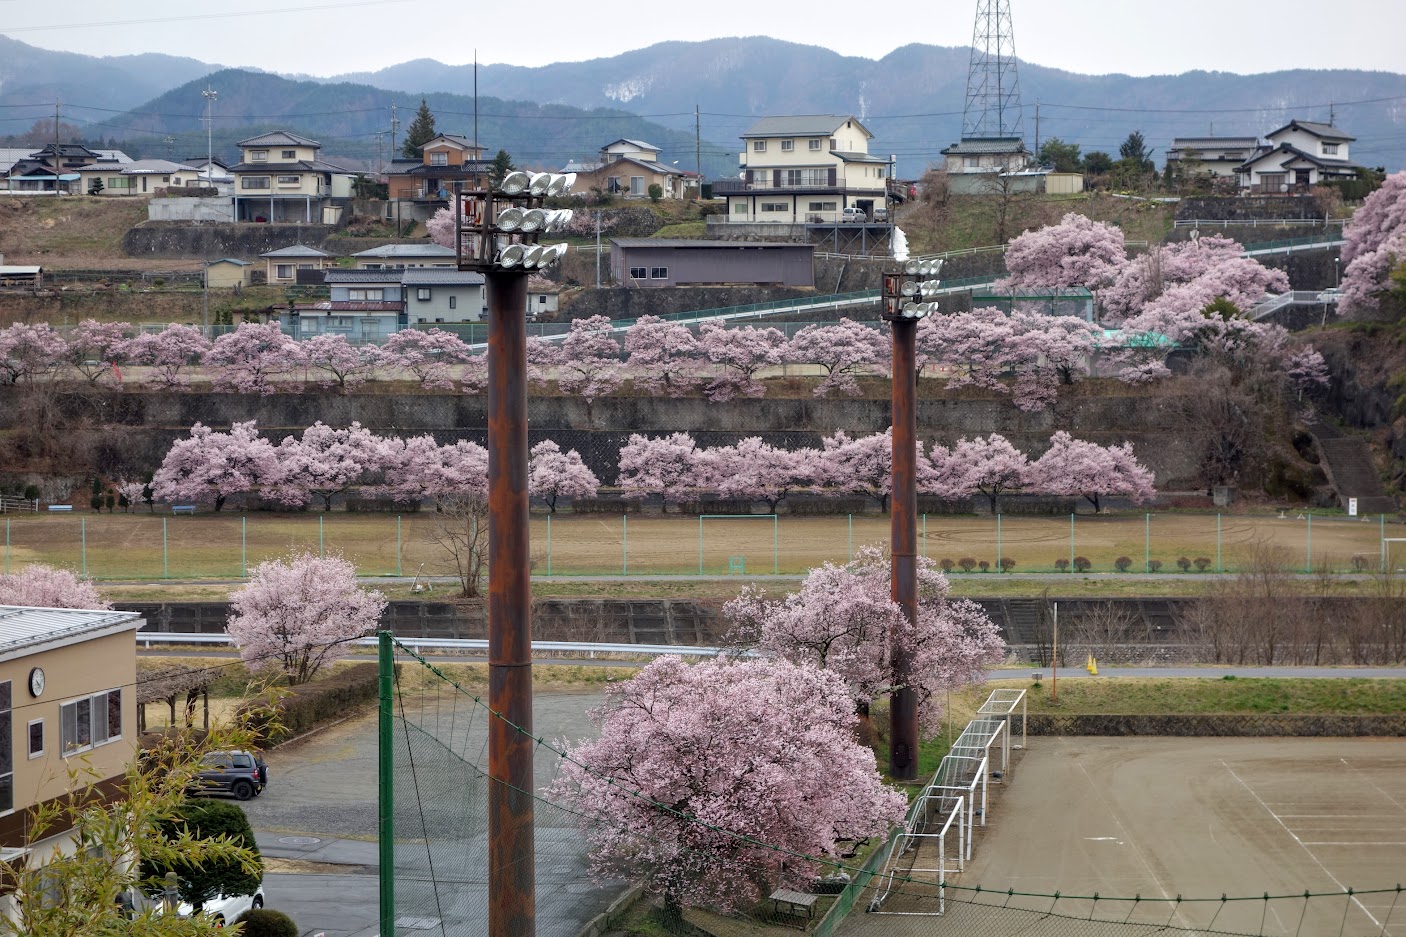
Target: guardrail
{"x":1258,"y":222}
{"x":147,"y":638}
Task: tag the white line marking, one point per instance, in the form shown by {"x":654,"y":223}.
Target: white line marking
{"x":1338,"y":843}
{"x":1372,"y":785}
{"x":1316,"y":861}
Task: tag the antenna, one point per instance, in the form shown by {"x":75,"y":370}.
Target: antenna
{"x":395,"y":125}
{"x":993,"y":87}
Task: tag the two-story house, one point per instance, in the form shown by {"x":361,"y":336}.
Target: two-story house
{"x":284,"y":263}
{"x":805,"y":170}
{"x":67,"y":705}
{"x":1299,"y":155}
{"x":280,"y":177}
{"x":368,"y":306}
{"x":395,"y":256}
{"x":434,"y":295}
{"x":446,"y":159}
{"x":628,"y":168}
{"x":1218,"y":157}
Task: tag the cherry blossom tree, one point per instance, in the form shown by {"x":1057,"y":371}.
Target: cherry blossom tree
{"x":974,"y":346}
{"x":211,"y":466}
{"x":1078,"y":468}
{"x":440,"y":227}
{"x":861,"y":464}
{"x":419,"y":468}
{"x":740,"y":353}
{"x":426,"y":353}
{"x":167,"y":353}
{"x":325,"y":462}
{"x":42,"y":586}
{"x":1076,"y":252}
{"x":843,"y":619}
{"x":94,"y":346}
{"x":843,"y":350}
{"x":27,"y":352}
{"x":989,"y":464}
{"x":299,"y":612}
{"x":663,"y":356}
{"x":130,"y":493}
{"x":667,"y":466}
{"x":708,"y":781}
{"x":249,"y":359}
{"x":338,"y":362}
{"x":1306,"y":368}
{"x":587,"y":361}
{"x":1381,"y":217}
{"x":1368,"y":276}
{"x":754,"y":470}
{"x":553,"y":474}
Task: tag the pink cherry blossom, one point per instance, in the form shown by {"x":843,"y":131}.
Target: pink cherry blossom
{"x":667,"y":467}
{"x":251,"y":358}
{"x":1076,"y":468}
{"x":989,"y":465}
{"x":211,"y":466}
{"x":40,"y":586}
{"x":28,"y":352}
{"x":663,"y":356}
{"x":587,"y":361}
{"x":553,"y":474}
{"x":1381,"y":218}
{"x":167,"y":353}
{"x":738,"y":354}
{"x":754,"y":470}
{"x":428,"y":354}
{"x":94,"y":346}
{"x":844,"y":350}
{"x":338,"y":362}
{"x":324,"y":463}
{"x":1076,"y":252}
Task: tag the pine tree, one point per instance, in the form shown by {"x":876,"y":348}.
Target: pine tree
{"x":421,"y":132}
{"x":502,"y":165}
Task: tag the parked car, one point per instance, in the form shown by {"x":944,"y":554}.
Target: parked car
{"x":225,"y":909}
{"x":881,"y":214}
{"x":853,"y":215}
{"x":240,"y":773}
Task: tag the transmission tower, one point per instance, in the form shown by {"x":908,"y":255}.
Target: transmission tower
{"x":993,"y":88}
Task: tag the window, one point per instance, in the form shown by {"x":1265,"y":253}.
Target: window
{"x":283,"y":272}
{"x":366,"y":295}
{"x":758,"y":146}
{"x":453,"y":302}
{"x":289,"y":180}
{"x":1273,"y":181}
{"x":814,"y":145}
{"x":822,"y":206}
{"x":1330,"y":149}
{"x":258,"y":156}
{"x":637,"y":185}
{"x":542,"y":300}
{"x":793,"y":177}
{"x":165,"y":178}
{"x":288,"y":154}
{"x":422,"y":293}
{"x":638,"y":273}
{"x":305,"y":266}
{"x":788,"y":145}
{"x":91,"y":721}
{"x":370,"y":329}
{"x":833,"y":145}
{"x":7,"y":752}
{"x":254,"y":182}
{"x":439,"y":159}
{"x":36,"y":738}
{"x":739,"y":208}
{"x":775,"y":206}
{"x":659,"y":273}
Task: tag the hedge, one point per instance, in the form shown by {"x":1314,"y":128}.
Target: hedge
{"x":312,"y":704}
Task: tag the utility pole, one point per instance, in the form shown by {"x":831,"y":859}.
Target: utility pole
{"x":210,"y":95}
{"x":598,"y":250}
{"x":698,"y":148}
{"x":395,"y":125}
{"x":57,"y":105}
{"x":1037,"y":129}
{"x":170,"y":142}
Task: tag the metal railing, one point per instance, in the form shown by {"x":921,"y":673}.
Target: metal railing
{"x":147,"y":638}
{"x":1257,"y":222}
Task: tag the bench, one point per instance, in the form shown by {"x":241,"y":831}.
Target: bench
{"x":182,"y":509}
{"x":60,"y":507}
{"x":796,"y":903}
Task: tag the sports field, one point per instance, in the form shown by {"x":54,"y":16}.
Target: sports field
{"x":208,"y":545}
{"x":1199,"y":818}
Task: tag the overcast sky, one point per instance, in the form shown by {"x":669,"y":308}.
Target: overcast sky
{"x":1087,"y":36}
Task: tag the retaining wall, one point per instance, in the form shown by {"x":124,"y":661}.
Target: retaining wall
{"x":1223,"y":724}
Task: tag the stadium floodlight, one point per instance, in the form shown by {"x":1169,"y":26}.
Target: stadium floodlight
{"x":511,"y":256}
{"x":533,"y":257}
{"x":511,"y":219}
{"x":515,"y":183}
{"x":534,"y":219}
{"x":560,"y":184}
{"x":909,"y":288}
{"x":539,"y":183}
{"x":553,"y":254}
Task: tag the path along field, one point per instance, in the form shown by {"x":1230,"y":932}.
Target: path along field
{"x":1163,"y":817}
{"x":207,"y":545}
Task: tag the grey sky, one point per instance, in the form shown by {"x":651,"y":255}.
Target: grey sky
{"x":1087,"y":36}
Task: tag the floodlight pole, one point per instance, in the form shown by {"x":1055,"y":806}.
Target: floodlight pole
{"x":903,"y":701}
{"x":511,"y":853}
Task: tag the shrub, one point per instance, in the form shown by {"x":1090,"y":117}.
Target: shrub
{"x":1006,"y":564}
{"x":1183,"y":563}
{"x":1359,"y":563}
{"x":209,"y":819}
{"x":656,"y":191}
{"x":1202,"y":563}
{"x":1082,"y":564}
{"x":1154,"y":565}
{"x":967,"y":563}
{"x":946,"y":564}
{"x":1123,"y":563}
{"x":311,"y":704}
{"x":1062,"y":565}
{"x":985,"y":566}
{"x":263,"y":922}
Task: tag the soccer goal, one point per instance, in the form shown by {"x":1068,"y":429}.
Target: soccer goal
{"x":737,"y":548}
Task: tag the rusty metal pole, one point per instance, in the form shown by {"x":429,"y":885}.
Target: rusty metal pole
{"x":903,"y":702}
{"x":511,"y":865}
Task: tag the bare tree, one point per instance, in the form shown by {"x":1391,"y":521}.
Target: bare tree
{"x":1103,"y":628}
{"x":460,"y":530}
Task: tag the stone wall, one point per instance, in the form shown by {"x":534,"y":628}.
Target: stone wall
{"x":172,"y":240}
{"x":1248,"y":208}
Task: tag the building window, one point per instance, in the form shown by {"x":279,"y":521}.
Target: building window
{"x":288,"y":154}
{"x":7,"y":751}
{"x":739,"y":208}
{"x":289,"y":180}
{"x":814,"y":146}
{"x":370,"y":330}
{"x":638,"y":273}
{"x":422,"y":293}
{"x":254,"y":182}
{"x":91,"y":721}
{"x":758,"y":146}
{"x":439,"y":159}
{"x":833,"y":145}
{"x":1330,"y":149}
{"x":542,"y":300}
{"x":637,"y":185}
{"x":165,"y":178}
{"x":659,"y":273}
{"x":258,"y":156}
{"x":36,"y":738}
{"x":822,"y":206}
{"x":453,"y":302}
{"x":775,"y":206}
{"x":788,"y":145}
{"x":1273,"y":181}
{"x":283,"y":272}
{"x":365,"y":296}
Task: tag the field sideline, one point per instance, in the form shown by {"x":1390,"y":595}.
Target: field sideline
{"x":140,"y":546}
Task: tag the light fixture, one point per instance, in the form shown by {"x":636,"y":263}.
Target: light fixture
{"x":533,"y":219}
{"x":553,"y":254}
{"x":514,"y":183}
{"x":511,"y":219}
{"x":511,"y":256}
{"x":909,"y":288}
{"x":910,"y":267}
{"x":561,"y":183}
{"x":533,"y":256}
{"x":539,"y":182}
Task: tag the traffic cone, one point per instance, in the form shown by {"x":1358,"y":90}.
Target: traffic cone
{"x":1092,"y":665}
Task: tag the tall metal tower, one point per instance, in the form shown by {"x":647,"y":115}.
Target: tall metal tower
{"x":993,"y":88}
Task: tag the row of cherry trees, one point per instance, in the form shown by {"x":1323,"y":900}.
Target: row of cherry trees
{"x":675,"y":469}
{"x":1375,"y":247}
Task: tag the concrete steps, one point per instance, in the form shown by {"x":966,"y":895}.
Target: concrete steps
{"x":1347,"y":461}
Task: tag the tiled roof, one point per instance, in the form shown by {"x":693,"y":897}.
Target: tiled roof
{"x":24,"y":629}
{"x":297,"y":250}
{"x":278,"y":138}
{"x":857,"y":157}
{"x":637,"y":144}
{"x":363,"y":276}
{"x":980,"y":145}
{"x":689,"y":242}
{"x":160,"y":167}
{"x":1324,"y":131}
{"x":801,"y":125}
{"x":439,"y":276}
{"x":231,"y":260}
{"x":347,"y":305}
{"x":407,"y":250}
{"x":1214,"y":143}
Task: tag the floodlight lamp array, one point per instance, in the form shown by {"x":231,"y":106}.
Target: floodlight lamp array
{"x":500,"y":229}
{"x":908,"y":296}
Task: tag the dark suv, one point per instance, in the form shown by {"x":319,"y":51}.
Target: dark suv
{"x":240,"y":773}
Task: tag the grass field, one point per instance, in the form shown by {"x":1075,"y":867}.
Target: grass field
{"x":145,"y":547}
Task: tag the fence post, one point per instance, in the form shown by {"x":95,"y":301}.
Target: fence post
{"x":83,"y":543}
{"x":998,"y":541}
{"x":385,"y":813}
{"x":321,"y":542}
{"x":925,"y":536}
{"x":1308,"y":557}
{"x":1071,"y":541}
{"x":624,"y":544}
{"x":244,"y":546}
{"x":1219,"y":568}
{"x":1381,"y":525}
{"x":549,"y":545}
{"x":700,"y":544}
{"x":851,"y":538}
{"x":775,"y":541}
{"x":397,"y":546}
{"x":1147,"y":543}
{"x":7,"y":547}
{"x":165,"y":557}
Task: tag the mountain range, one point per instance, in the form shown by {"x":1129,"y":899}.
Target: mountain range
{"x":912,"y":99}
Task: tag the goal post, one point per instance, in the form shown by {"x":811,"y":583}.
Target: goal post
{"x":775,"y":535}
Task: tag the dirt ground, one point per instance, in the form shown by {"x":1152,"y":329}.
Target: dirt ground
{"x":1167,"y":817}
{"x":130,"y":546}
{"x":74,"y":232}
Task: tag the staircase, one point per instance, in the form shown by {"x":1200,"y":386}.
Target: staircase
{"x":1349,"y":466}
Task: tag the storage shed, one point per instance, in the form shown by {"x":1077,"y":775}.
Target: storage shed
{"x":658,"y":262}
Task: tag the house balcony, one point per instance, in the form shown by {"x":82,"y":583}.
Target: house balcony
{"x":806,"y":184}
